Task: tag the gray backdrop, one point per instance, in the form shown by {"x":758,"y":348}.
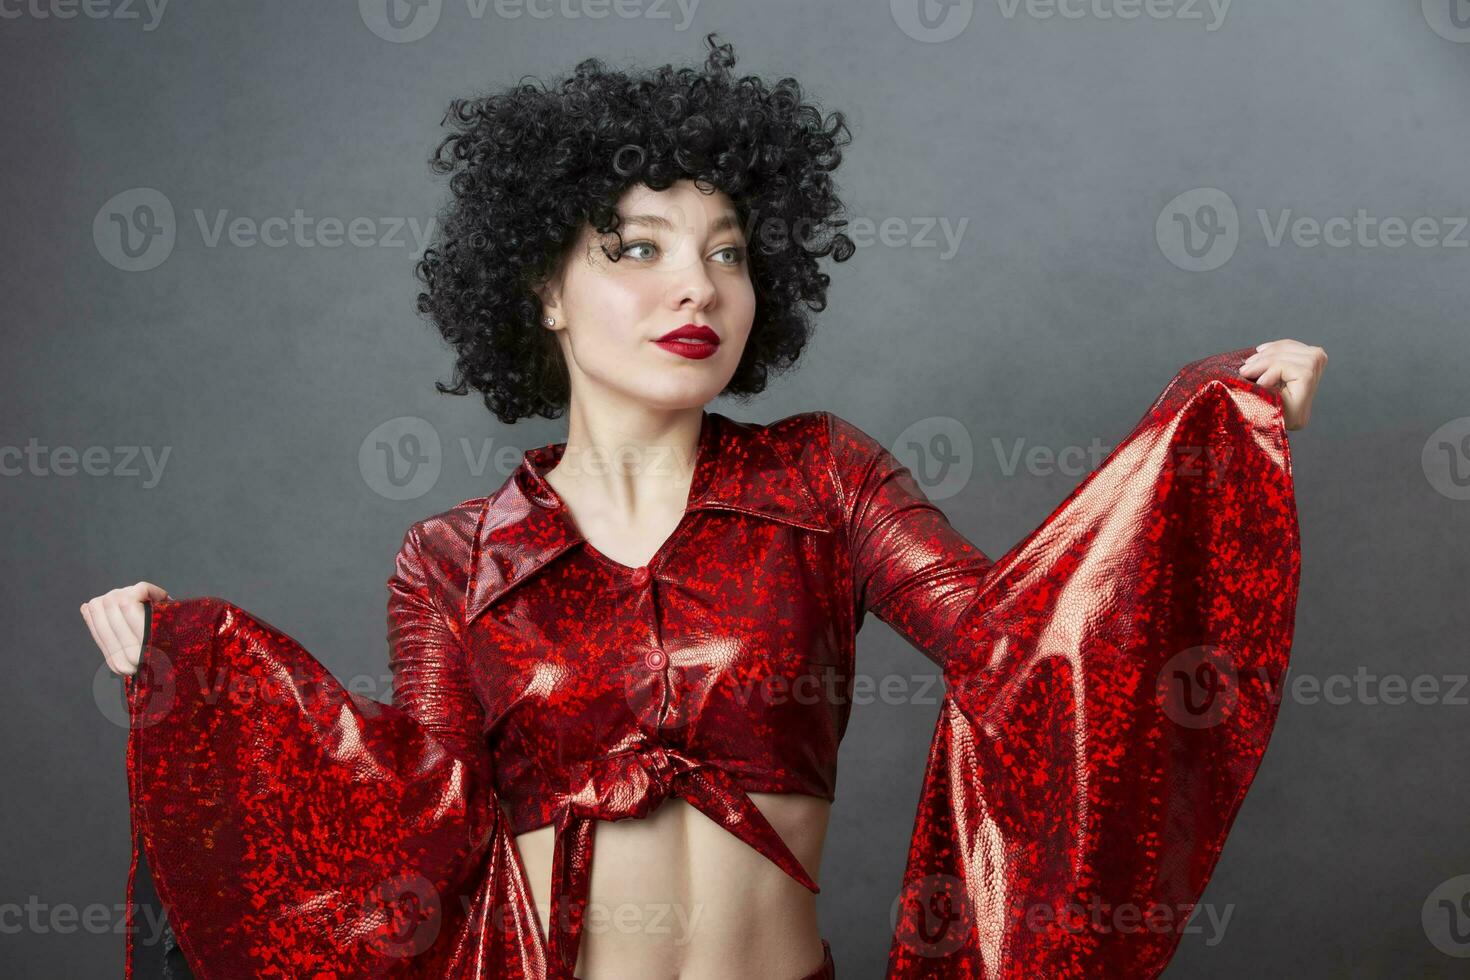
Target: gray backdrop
{"x":1114,"y":177}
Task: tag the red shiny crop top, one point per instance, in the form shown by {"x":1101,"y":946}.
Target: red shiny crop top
{"x":719,"y":667}
{"x":1110,"y":689}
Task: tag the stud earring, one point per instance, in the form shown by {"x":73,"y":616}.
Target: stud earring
{"x":549,"y":321}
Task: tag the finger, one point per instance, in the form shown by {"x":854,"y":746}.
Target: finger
{"x":126,"y":639}
{"x":149,"y":591}
{"x":1255,"y":364}
{"x":1296,"y":367}
{"x":106,"y":653}
{"x":1291,"y":365}
{"x":133,"y":614}
{"x":1271,"y":376}
{"x":107,"y":639}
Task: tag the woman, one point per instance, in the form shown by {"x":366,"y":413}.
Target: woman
{"x":588,"y":652}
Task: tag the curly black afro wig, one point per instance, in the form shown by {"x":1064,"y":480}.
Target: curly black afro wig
{"x":532,"y":166}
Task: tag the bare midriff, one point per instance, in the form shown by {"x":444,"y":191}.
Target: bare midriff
{"x":675,"y":895}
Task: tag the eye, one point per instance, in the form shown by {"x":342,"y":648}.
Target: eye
{"x":632,"y":246}
{"x":737,"y":254}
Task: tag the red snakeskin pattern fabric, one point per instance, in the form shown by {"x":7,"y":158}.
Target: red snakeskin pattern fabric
{"x":1110,"y":692}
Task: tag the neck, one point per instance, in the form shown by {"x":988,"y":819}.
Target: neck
{"x":623,"y":458}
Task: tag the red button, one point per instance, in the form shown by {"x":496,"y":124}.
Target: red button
{"x":655,"y":659}
{"x":640,"y":575}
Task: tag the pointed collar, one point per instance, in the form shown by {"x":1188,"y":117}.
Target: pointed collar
{"x":526,"y":524}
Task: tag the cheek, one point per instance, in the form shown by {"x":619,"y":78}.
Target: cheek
{"x":609,"y":323}
{"x":738,"y":303}
{"x":627,"y":301}
{"x":738,"y":289}
{"x":617,"y":311}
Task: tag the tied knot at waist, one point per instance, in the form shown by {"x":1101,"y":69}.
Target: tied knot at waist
{"x":625,"y":785}
{"x":631,"y":784}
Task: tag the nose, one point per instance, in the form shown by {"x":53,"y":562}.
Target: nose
{"x":692,"y":285}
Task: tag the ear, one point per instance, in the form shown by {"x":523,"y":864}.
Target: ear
{"x":548,"y":293}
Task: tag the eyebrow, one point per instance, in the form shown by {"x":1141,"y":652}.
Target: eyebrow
{"x":723,"y":222}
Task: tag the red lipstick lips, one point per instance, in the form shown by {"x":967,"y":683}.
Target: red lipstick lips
{"x":692,"y":340}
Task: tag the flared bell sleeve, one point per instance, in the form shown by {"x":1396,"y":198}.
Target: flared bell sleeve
{"x":295,"y":828}
{"x":1111,"y":684}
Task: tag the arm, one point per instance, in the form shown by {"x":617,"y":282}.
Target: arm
{"x":427,"y":659}
{"x":1111,"y":684}
{"x":910,"y":567}
{"x":336,"y":814}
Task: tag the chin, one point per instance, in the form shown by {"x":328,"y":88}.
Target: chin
{"x":673,"y":390}
{"x":674,"y":404}
{"x":674,"y":398}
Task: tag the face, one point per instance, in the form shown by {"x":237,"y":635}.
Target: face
{"x":683,"y":261}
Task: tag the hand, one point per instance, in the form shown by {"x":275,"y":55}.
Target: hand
{"x":116,"y":622}
{"x":1293,"y":369}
